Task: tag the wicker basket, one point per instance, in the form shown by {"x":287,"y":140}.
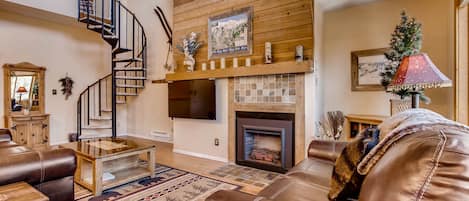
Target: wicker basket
{"x":399,"y":105}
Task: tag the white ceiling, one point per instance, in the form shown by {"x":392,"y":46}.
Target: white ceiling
{"x":329,"y":5}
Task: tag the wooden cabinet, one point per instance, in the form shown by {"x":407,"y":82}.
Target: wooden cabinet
{"x":359,"y":122}
{"x":24,"y":111}
{"x":30,"y":130}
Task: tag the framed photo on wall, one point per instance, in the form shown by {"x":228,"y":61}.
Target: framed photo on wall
{"x":366,"y":68}
{"x":230,"y":34}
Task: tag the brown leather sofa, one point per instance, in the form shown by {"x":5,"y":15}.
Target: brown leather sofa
{"x":50,"y":171}
{"x":407,"y":171}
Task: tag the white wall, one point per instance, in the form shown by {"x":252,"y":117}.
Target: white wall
{"x":63,"y":7}
{"x":61,"y":49}
{"x":313,"y":82}
{"x":148,"y":112}
{"x":370,"y":26}
{"x":196,"y":137}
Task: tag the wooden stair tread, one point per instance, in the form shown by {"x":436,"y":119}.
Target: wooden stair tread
{"x":106,"y":110}
{"x":129,"y":68}
{"x":130,"y":78}
{"x":92,"y":136}
{"x":96,"y":127}
{"x":93,"y":21}
{"x":127,"y":94}
{"x":121,"y":50}
{"x":129,"y":86}
{"x":127,"y":60}
{"x":100,"y":118}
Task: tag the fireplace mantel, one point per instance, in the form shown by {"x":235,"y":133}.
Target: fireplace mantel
{"x":259,"y":69}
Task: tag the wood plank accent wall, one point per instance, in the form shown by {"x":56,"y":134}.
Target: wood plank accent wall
{"x":284,"y":23}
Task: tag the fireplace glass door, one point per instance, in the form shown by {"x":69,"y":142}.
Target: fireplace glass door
{"x":263,"y":145}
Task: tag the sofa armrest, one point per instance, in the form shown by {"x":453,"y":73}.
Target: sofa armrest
{"x":35,"y":167}
{"x":5,"y":135}
{"x":230,"y":195}
{"x":325,"y":149}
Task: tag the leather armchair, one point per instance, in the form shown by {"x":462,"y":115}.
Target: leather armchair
{"x":5,"y":135}
{"x":49,"y":171}
{"x":428,"y":165}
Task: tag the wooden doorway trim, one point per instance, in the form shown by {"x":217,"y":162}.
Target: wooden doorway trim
{"x":461,"y":106}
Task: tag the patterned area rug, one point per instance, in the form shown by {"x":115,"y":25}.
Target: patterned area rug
{"x":169,"y":184}
{"x":246,"y":175}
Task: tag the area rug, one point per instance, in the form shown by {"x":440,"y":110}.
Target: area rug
{"x":246,"y":175}
{"x":169,"y":184}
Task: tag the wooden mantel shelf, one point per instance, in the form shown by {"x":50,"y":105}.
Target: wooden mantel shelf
{"x":260,"y":69}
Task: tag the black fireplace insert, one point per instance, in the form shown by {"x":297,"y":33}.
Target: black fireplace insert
{"x":265,"y":140}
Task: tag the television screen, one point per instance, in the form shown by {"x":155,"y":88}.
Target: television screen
{"x":193,"y":99}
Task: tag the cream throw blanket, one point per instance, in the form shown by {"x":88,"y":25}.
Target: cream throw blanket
{"x":403,"y":124}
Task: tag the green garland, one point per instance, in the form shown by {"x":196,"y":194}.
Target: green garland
{"x":406,"y":40}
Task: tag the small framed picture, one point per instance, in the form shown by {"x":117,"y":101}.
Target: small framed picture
{"x":366,"y":68}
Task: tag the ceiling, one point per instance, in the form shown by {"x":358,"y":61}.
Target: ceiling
{"x":329,"y":5}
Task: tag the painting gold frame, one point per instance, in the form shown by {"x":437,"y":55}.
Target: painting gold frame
{"x":355,"y":55}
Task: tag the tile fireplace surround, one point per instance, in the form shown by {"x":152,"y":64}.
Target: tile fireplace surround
{"x":268,"y":94}
{"x":265,"y":89}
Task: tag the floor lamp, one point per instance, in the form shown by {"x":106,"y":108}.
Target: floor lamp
{"x":416,"y":73}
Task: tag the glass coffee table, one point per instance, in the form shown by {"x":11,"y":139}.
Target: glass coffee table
{"x":106,"y":162}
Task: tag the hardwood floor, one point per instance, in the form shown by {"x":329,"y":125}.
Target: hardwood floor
{"x":201,"y":166}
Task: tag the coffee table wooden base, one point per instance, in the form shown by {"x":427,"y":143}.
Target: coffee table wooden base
{"x":125,"y":167}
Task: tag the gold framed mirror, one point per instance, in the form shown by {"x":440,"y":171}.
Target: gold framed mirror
{"x":23,"y":89}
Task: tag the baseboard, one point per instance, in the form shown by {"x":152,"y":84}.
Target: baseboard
{"x":199,"y":155}
{"x":159,"y":139}
{"x":59,"y":142}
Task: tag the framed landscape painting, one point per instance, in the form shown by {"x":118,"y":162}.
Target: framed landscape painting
{"x":366,"y":68}
{"x":230,"y":34}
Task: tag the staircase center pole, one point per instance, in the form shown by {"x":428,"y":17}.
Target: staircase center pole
{"x":114,"y":97}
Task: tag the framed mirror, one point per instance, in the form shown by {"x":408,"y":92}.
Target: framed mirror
{"x":23,"y":88}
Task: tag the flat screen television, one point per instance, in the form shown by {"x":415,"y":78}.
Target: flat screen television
{"x":194,"y":99}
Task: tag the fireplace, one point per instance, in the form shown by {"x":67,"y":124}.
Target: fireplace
{"x":265,"y":140}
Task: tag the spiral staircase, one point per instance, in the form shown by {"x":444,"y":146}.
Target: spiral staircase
{"x":98,"y":104}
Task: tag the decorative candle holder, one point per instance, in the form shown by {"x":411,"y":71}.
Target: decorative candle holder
{"x":222,"y":63}
{"x":248,"y":62}
{"x":204,"y":66}
{"x":212,"y":65}
{"x":235,"y":62}
{"x":299,"y":53}
{"x":268,"y":53}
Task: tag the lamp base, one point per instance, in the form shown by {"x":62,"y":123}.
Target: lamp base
{"x":415,"y":99}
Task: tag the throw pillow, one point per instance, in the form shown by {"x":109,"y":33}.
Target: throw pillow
{"x":345,"y":181}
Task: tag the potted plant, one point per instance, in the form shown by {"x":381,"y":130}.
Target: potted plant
{"x":189,"y":47}
{"x":406,"y":40}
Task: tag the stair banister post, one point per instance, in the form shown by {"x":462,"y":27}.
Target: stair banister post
{"x":88,"y":106}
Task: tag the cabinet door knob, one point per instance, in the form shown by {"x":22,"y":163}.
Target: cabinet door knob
{"x":44,"y":125}
{"x":13,"y":127}
{"x":33,"y":135}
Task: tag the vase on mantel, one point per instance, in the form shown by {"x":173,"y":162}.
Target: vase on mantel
{"x":399,"y":105}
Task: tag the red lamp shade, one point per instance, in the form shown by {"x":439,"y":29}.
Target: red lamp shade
{"x":21,"y":90}
{"x":418,"y":72}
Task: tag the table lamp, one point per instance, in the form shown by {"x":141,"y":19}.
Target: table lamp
{"x":417,"y":72}
{"x":21,"y":91}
